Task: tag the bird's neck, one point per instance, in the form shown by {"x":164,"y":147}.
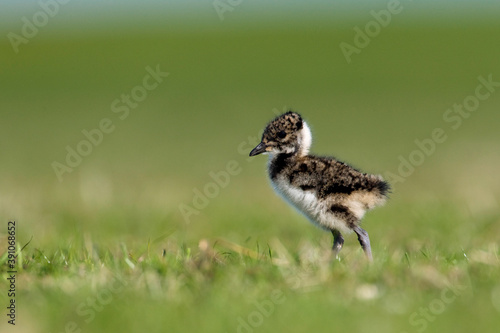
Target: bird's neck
{"x":305,"y":140}
{"x":279,"y":162}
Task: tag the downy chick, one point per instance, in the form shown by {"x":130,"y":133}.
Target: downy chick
{"x":330,"y":193}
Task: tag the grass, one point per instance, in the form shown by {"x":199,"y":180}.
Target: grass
{"x":110,"y":250}
{"x":156,"y":283}
{"x":162,"y":283}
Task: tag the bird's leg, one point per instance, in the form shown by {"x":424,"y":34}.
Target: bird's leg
{"x":364,"y":240}
{"x":338,"y":242}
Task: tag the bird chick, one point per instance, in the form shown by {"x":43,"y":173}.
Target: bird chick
{"x":330,"y":193}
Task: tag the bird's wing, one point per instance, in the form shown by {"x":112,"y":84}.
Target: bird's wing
{"x":326,"y":176}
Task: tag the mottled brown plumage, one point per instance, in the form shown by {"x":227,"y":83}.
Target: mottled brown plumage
{"x":330,"y":193}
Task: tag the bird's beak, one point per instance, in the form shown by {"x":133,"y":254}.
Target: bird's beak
{"x":261,"y":148}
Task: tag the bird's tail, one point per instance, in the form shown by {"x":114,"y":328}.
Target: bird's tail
{"x":379,"y":191}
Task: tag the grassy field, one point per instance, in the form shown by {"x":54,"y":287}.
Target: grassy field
{"x":109,"y":249}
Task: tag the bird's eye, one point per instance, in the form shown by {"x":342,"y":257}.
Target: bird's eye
{"x":281,"y":134}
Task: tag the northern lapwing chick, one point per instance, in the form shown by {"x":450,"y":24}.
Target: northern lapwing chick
{"x":330,"y":193}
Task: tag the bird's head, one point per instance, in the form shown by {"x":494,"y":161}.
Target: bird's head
{"x":287,"y":134}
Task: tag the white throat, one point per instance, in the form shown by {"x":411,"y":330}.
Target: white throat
{"x":305,"y":139}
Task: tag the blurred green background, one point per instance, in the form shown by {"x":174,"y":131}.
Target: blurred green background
{"x":227,"y":78}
